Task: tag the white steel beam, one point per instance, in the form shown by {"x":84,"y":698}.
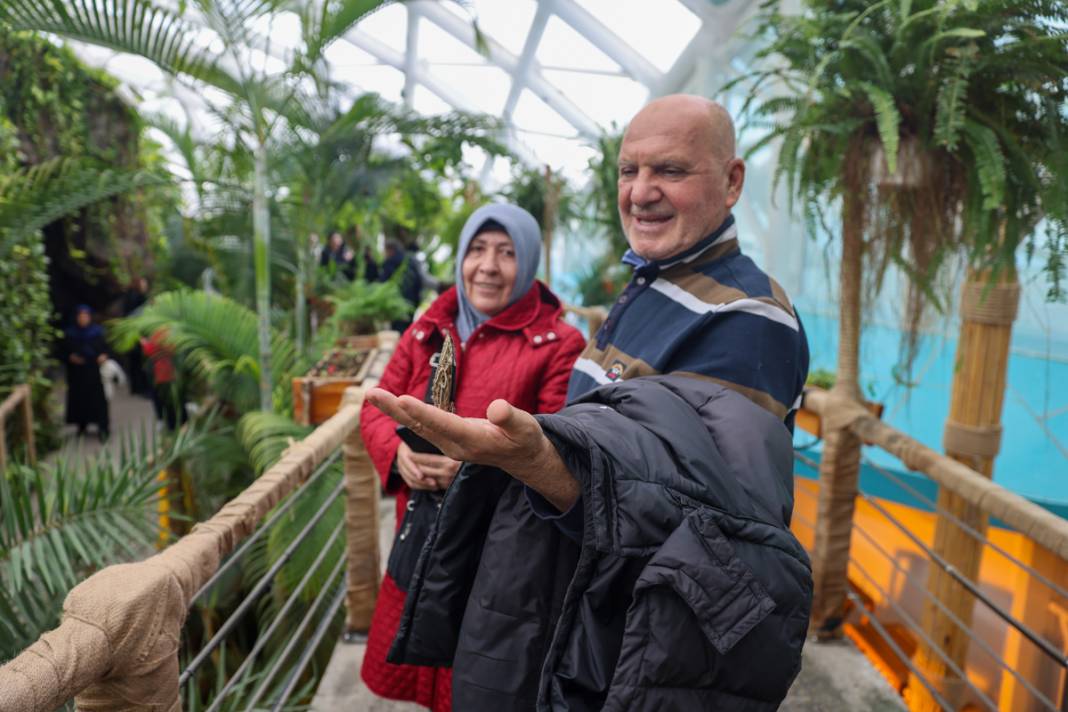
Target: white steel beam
{"x":411,"y":56}
{"x":526,"y":57}
{"x":633,"y":63}
{"x":463,"y":31}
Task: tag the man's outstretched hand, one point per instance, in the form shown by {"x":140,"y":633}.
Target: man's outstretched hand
{"x":508,"y":438}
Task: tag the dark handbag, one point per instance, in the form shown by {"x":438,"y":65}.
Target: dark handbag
{"x":423,"y":505}
{"x":419,"y":516}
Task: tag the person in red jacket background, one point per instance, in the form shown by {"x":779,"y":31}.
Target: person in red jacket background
{"x":510,"y":342}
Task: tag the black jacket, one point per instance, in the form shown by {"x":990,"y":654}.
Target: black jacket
{"x":688,"y":591}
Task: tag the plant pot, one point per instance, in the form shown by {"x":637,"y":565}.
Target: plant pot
{"x":911,"y":165}
{"x":317,"y":398}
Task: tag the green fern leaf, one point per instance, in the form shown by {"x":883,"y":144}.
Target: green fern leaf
{"x":989,"y":162}
{"x":887,"y":120}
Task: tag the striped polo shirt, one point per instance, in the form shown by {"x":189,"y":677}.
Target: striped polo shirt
{"x":707,"y":313}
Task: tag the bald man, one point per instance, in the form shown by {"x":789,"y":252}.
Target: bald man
{"x":639,"y":554}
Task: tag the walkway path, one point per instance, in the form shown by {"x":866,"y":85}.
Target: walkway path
{"x":834,"y":677}
{"x":131,"y":416}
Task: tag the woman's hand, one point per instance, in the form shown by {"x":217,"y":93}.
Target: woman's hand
{"x":411,"y":472}
{"x":76,"y":359}
{"x":438,"y":467}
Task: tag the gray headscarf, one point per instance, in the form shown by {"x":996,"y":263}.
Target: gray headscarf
{"x":526,"y":237}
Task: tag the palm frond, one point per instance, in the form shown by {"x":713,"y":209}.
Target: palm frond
{"x":218,"y":338}
{"x":137,"y":27}
{"x":264,"y":436}
{"x":58,"y":523}
{"x":33,"y":197}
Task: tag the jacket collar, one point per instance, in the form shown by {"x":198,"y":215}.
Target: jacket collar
{"x":535,"y":314}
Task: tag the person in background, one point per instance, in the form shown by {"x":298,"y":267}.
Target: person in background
{"x":340,"y":255}
{"x":167,"y":398}
{"x":132,"y":302}
{"x":411,"y":284}
{"x":510,"y":342}
{"x":84,"y":351}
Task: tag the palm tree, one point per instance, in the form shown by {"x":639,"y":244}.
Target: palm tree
{"x":150,"y":29}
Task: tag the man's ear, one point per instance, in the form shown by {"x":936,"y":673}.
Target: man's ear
{"x":735,"y":180}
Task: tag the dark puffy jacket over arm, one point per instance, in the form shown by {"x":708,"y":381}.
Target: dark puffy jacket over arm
{"x":690,"y":483}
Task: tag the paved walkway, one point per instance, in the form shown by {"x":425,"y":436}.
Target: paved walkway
{"x":131,"y":416}
{"x":834,"y":677}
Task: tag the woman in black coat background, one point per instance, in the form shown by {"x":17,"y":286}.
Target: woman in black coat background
{"x":84,"y":350}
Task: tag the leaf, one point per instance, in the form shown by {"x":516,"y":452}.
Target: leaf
{"x":989,"y":163}
{"x":888,"y":121}
{"x":950,"y":109}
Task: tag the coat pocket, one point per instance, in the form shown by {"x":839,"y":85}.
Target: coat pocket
{"x":694,"y":602}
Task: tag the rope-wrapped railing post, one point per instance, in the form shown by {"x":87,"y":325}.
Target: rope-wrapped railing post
{"x":972,"y":436}
{"x":116,"y":648}
{"x":361,"y":504}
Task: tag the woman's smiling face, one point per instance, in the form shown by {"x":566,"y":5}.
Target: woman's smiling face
{"x":489,"y":270}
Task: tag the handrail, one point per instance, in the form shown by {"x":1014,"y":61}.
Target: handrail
{"x":120,"y":630}
{"x":22,"y":395}
{"x":1028,"y":518}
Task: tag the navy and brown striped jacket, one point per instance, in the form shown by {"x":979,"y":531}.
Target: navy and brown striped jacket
{"x":708,"y":313}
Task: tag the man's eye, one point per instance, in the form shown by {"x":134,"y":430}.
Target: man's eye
{"x":627,"y":171}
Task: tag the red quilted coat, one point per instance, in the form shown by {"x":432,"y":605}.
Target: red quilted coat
{"x":524,"y":355}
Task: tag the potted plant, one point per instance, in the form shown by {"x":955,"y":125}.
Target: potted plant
{"x":350,"y":337}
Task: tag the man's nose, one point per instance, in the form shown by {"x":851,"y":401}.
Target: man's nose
{"x":644,"y":189}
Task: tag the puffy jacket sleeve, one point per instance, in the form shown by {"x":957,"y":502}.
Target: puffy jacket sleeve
{"x":378,"y":429}
{"x":553,"y":392}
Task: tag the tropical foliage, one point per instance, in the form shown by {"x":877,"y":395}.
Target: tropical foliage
{"x":60,"y":523}
{"x":939,"y":125}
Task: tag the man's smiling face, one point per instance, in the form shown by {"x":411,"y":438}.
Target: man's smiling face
{"x":678,"y":177}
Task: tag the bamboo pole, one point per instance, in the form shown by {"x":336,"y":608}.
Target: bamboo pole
{"x":972,"y":436}
{"x":840,"y":462}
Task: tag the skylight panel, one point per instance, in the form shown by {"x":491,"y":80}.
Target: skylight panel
{"x":568,"y":156}
{"x":506,"y":22}
{"x":563,"y":46}
{"x":345,"y":55}
{"x":137,"y":71}
{"x":486,"y":87}
{"x":605,"y":99}
{"x":658,"y":30}
{"x":282,"y":30}
{"x":388,"y":25}
{"x":534,"y":115}
{"x":381,"y":79}
{"x":427,"y":102}
{"x":437,"y":45}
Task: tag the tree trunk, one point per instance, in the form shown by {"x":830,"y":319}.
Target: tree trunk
{"x":261,"y":250}
{"x":972,"y":436}
{"x":840,"y":461}
{"x":300,"y":310}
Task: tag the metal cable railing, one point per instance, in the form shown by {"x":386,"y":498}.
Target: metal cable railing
{"x":261,"y":585}
{"x":266,"y":635}
{"x":1044,"y":645}
{"x":266,"y":526}
{"x":967,"y":528}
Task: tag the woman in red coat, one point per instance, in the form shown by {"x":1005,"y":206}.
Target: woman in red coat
{"x":509,"y":342}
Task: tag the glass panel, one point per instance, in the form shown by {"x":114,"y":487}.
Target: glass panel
{"x":658,"y":30}
{"x":563,"y":46}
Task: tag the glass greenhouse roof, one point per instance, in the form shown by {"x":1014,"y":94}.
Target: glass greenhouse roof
{"x":558,"y":72}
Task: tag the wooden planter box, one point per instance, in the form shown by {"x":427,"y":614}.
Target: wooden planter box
{"x":317,"y":398}
{"x":809,"y":421}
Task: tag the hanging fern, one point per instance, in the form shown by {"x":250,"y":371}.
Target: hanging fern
{"x":989,"y":162}
{"x":950,"y":114}
{"x":888,"y":120}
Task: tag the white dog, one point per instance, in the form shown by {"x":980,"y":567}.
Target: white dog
{"x":112,"y":375}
